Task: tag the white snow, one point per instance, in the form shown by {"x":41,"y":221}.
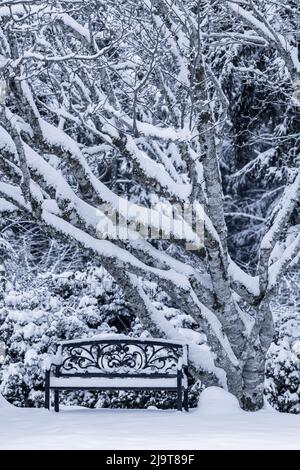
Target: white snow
{"x":251,"y":283}
{"x":109,"y":336}
{"x":6,"y":206}
{"x":14,"y":193}
{"x":104,"y":382}
{"x":6,"y":142}
{"x":218,"y":423}
{"x":72,"y":23}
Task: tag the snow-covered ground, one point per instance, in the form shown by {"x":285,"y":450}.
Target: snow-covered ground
{"x":218,"y":423}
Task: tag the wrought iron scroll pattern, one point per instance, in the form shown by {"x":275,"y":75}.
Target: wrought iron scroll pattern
{"x":120,"y":358}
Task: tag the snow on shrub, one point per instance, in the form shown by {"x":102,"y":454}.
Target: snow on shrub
{"x":65,"y":306}
{"x":283,"y":364}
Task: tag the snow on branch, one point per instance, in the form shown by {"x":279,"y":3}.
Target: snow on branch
{"x":242,"y":280}
{"x":151,"y":130}
{"x":261,"y":161}
{"x":258,"y":21}
{"x":132,"y":213}
{"x":284,"y":210}
{"x":106,"y":249}
{"x":6,"y":142}
{"x":22,"y":7}
{"x":201,"y":356}
{"x":156,"y":171}
{"x":6,"y":206}
{"x":277,"y":269}
{"x":13,"y":194}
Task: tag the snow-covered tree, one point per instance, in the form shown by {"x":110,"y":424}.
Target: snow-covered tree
{"x":93,"y":83}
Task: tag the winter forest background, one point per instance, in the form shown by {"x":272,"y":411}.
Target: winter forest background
{"x":159,"y":102}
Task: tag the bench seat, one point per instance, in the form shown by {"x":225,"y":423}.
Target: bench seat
{"x":112,"y":382}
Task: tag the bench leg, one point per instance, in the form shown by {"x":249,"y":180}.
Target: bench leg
{"x":47,"y":398}
{"x":186,"y":399}
{"x":179,"y":399}
{"x":47,"y":391}
{"x":179,"y":391}
{"x":56,"y":400}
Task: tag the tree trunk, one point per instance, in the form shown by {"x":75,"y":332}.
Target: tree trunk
{"x":254,"y":367}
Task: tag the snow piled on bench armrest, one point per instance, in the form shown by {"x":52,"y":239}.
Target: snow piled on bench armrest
{"x":53,"y":359}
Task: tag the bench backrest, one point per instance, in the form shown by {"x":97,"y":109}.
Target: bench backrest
{"x":121,"y":357}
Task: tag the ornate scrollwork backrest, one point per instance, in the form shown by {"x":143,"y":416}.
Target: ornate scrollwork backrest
{"x":120,"y":357}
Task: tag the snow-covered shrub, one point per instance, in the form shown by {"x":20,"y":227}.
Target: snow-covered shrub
{"x":65,"y":306}
{"x":283,"y":363}
{"x":283,"y":366}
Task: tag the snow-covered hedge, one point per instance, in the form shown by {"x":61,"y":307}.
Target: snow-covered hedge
{"x":283,"y":365}
{"x":64,"y":306}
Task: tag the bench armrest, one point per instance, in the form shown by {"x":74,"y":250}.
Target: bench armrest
{"x":182,"y":367}
{"x":183,"y":360}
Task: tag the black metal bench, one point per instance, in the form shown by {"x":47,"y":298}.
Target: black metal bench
{"x":118,"y":364}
